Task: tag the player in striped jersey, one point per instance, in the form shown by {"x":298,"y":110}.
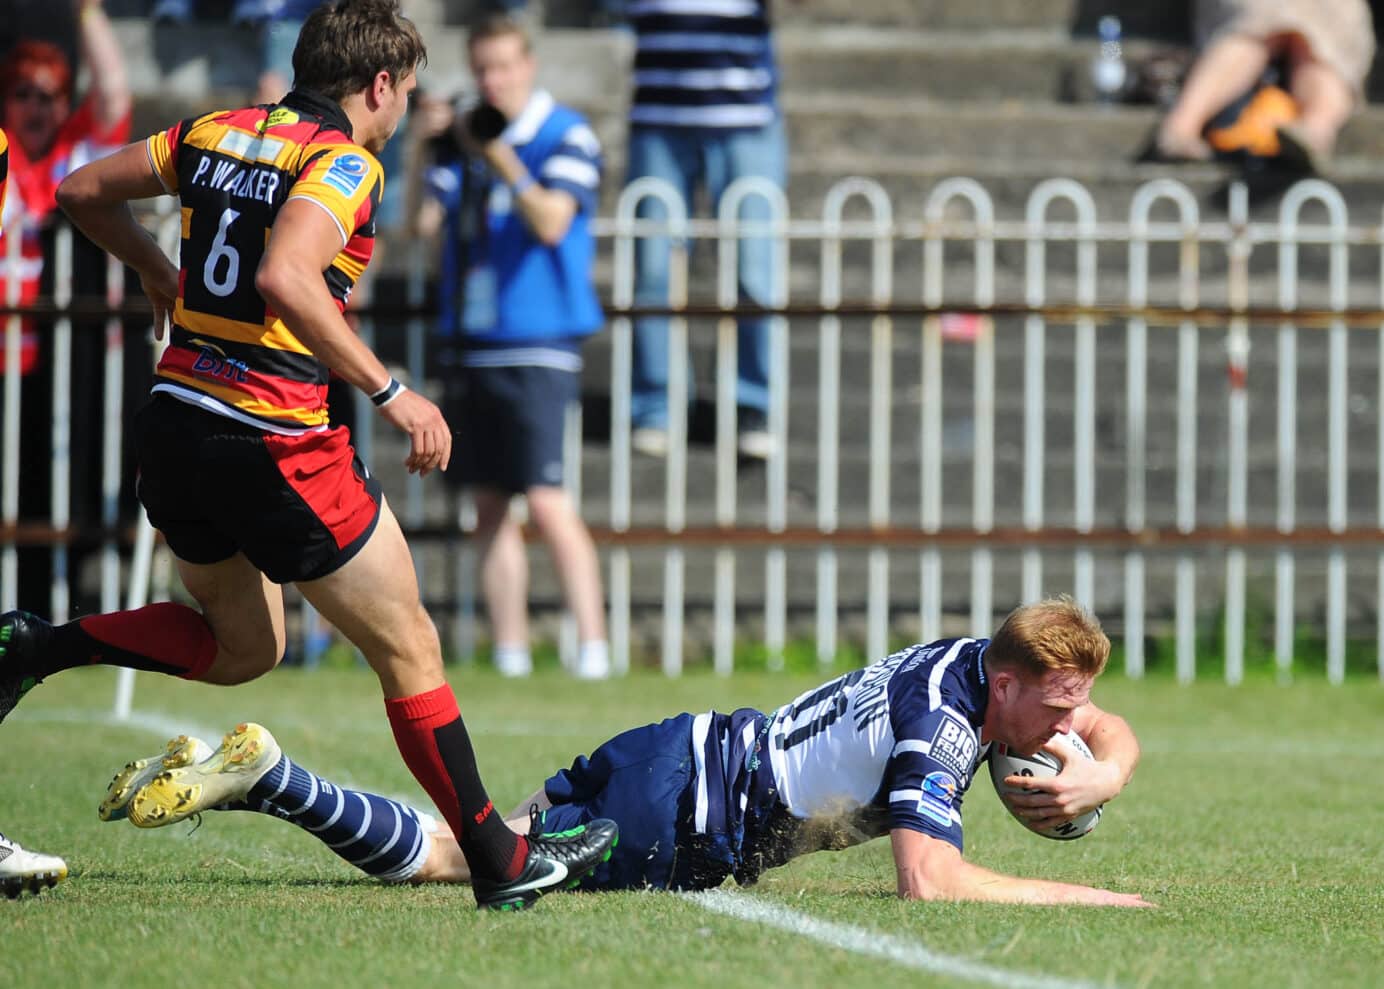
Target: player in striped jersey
{"x":239,"y":467}
{"x":888,"y":749}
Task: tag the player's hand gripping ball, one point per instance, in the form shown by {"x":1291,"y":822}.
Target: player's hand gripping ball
{"x":1040,"y":765}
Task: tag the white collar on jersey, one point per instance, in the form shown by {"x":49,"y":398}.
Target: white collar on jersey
{"x":523,"y":128}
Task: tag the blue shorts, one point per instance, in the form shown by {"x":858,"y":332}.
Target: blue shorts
{"x":642,"y":780}
{"x":509,"y":422}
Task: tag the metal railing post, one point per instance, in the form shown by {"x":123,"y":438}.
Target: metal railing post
{"x":1136,"y":437}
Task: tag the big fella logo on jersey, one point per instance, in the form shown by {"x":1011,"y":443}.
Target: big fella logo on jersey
{"x":954,"y":746}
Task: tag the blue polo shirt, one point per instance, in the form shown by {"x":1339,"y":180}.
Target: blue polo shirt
{"x":512,"y":299}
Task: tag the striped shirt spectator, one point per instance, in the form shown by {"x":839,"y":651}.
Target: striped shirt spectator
{"x":705,"y":113}
{"x":703,"y":63}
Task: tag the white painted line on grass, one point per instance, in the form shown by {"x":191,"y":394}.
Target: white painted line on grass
{"x":153,"y":722}
{"x":873,"y":944}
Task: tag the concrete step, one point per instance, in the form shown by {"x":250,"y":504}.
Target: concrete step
{"x":1139,"y":18}
{"x":1169,"y":20}
{"x":1034,"y":65}
{"x":593,"y":66}
{"x":1007,"y":131}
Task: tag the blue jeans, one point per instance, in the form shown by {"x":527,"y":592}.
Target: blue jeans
{"x":685,"y":157}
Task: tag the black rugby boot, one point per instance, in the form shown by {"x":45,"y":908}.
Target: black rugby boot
{"x":555,"y":861}
{"x":23,"y":639}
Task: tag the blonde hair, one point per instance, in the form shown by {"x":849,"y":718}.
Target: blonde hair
{"x":1053,"y":634}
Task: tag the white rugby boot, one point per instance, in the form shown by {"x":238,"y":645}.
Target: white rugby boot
{"x":181,"y":751}
{"x":246,"y":754}
{"x":21,"y":869}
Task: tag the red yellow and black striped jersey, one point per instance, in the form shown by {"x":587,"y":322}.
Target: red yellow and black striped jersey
{"x":233,"y":170}
{"x":4,"y":170}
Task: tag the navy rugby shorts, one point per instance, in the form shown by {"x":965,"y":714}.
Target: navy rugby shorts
{"x":642,"y":780}
{"x":299,"y":507}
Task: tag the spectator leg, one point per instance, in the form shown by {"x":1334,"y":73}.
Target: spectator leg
{"x":656,"y":153}
{"x":737,"y":154}
{"x":1325,"y":100}
{"x":1226,"y":70}
{"x":574,"y":555}
{"x":504,"y":568}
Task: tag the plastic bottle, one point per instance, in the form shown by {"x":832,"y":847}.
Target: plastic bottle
{"x":1108,"y":69}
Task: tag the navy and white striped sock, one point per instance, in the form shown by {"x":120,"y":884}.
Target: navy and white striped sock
{"x":382,"y":837}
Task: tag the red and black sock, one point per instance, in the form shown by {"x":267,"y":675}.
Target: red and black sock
{"x":437,"y":749}
{"x":160,"y":638}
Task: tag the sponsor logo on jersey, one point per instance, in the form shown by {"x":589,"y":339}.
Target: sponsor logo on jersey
{"x":213,"y":363}
{"x":346,"y":174}
{"x":939,"y":792}
{"x":280,"y":117}
{"x":954,"y":746}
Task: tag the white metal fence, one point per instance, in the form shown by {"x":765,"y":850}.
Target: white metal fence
{"x":1050,"y":291}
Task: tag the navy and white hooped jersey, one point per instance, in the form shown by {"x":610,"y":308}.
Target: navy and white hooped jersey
{"x":703,"y":63}
{"x":896,"y":743}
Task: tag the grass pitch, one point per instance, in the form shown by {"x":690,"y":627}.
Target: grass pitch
{"x":1255,"y":822}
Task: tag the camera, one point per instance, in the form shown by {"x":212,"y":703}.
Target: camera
{"x":485,"y":123}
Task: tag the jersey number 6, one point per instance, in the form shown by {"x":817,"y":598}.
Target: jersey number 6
{"x":223,"y":286}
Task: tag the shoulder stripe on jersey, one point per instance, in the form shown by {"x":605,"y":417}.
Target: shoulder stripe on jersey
{"x":912,"y":745}
{"x":325,"y":209}
{"x":574,"y":170}
{"x":934,"y":680}
{"x":900,"y":796}
{"x":582,"y":140}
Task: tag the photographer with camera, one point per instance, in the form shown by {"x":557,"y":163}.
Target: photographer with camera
{"x":514,"y":189}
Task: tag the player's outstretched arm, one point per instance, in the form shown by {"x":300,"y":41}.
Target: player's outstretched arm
{"x":1083,"y":784}
{"x":96,"y":197}
{"x":302,"y":244}
{"x":931,"y":869}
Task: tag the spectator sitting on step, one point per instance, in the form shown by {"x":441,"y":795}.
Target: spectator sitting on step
{"x":1327,"y":46}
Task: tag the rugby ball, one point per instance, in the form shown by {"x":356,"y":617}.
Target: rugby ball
{"x":1041,"y":765}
